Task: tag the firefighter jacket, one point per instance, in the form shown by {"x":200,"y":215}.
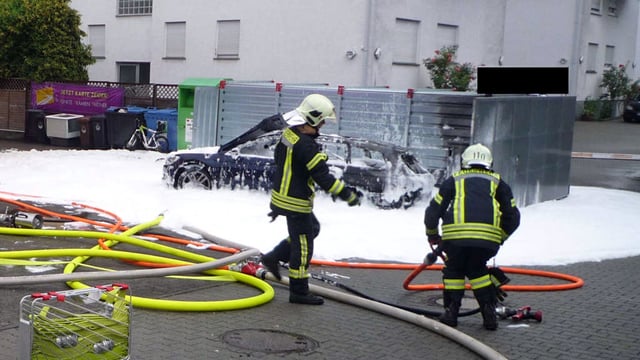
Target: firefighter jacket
{"x":477,"y":209}
{"x":300,"y":164}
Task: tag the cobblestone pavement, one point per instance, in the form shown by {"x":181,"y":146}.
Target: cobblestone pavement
{"x":599,"y":320}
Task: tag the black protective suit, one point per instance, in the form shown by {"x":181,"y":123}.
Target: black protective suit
{"x":300,"y":165}
{"x":478,"y":214}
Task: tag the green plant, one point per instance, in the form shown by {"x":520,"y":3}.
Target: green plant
{"x":633,"y":91}
{"x":591,"y":108}
{"x":446,"y":73}
{"x":616,"y":81}
{"x":606,"y":109}
{"x":597,"y":109}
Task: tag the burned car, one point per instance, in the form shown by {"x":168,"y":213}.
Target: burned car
{"x":388,"y":175}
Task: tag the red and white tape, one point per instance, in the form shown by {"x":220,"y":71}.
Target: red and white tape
{"x":614,"y":156}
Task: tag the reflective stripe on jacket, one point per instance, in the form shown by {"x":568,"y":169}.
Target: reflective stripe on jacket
{"x":299,"y":166}
{"x":476,"y":206}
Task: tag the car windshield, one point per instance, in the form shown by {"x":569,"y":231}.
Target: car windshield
{"x":336,"y":151}
{"x":353,"y":154}
{"x":262,"y":146}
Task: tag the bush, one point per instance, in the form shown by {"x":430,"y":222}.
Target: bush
{"x":616,"y":81}
{"x":590,"y":109}
{"x":596,"y":109}
{"x":446,"y":73}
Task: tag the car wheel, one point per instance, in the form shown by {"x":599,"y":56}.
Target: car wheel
{"x":194,"y":176}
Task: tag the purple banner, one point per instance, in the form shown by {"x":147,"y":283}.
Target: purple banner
{"x":73,"y":98}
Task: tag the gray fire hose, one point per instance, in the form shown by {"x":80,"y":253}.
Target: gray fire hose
{"x":128,"y":274}
{"x":427,"y":323}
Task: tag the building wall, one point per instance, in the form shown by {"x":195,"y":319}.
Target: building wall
{"x":290,"y":41}
{"x":293,"y":41}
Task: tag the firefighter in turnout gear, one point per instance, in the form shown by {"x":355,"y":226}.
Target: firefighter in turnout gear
{"x":478,"y":214}
{"x":300,"y":165}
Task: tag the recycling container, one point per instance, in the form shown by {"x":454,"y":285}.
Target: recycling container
{"x":86,"y":140}
{"x":121,"y":122}
{"x":35,"y":128}
{"x":98,"y":131}
{"x":170,"y":116}
{"x":186,"y":105}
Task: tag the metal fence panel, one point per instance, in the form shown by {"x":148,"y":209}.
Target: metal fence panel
{"x":380,"y":114}
{"x":205,"y":116}
{"x":439,"y":128}
{"x":242,"y":105}
{"x":530,"y":136}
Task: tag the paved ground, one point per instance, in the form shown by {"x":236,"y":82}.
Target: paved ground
{"x":597,"y":321}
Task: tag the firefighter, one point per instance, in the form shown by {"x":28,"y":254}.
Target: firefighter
{"x":478,"y":214}
{"x":300,"y":164}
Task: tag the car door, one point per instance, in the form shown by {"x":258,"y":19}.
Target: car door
{"x":253,"y":164}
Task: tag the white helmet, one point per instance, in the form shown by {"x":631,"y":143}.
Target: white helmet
{"x":477,"y":154}
{"x":315,"y":108}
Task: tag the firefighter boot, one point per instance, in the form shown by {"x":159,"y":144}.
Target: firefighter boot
{"x":271,"y":259}
{"x":486,"y":298}
{"x":299,"y":293}
{"x":452,"y":301}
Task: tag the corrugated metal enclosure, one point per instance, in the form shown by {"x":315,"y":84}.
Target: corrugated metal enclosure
{"x":531,"y":136}
{"x":531,"y":139}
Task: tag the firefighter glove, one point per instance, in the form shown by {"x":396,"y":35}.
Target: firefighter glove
{"x":351,"y":195}
{"x":500,"y":294}
{"x":434,"y":240}
{"x":354,"y":199}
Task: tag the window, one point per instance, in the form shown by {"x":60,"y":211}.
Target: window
{"x":596,"y":7}
{"x":405,"y":42}
{"x":135,"y":7}
{"x":592,"y":52}
{"x":96,"y":40}
{"x":228,"y":45}
{"x":608,"y":55}
{"x":133,"y":73}
{"x":175,"y":40}
{"x":447,"y":35}
{"x":612,"y":7}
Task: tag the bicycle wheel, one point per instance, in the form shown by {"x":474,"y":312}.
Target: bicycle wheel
{"x":162,"y":143}
{"x":132,"y":144}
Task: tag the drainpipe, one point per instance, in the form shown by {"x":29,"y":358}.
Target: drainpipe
{"x":368,"y":41}
{"x":574,"y":64}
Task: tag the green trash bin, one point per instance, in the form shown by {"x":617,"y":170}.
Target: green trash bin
{"x":186,"y":105}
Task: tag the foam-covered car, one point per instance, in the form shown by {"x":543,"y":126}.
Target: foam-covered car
{"x":388,"y":175}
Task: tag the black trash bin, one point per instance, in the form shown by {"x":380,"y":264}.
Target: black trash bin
{"x":121,"y":123}
{"x":35,"y":128}
{"x":98,"y":131}
{"x":86,"y":140}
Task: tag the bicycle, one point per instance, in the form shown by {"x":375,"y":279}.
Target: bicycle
{"x":146,"y":138}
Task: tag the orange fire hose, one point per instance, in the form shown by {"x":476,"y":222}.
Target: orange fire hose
{"x":574,"y":282}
